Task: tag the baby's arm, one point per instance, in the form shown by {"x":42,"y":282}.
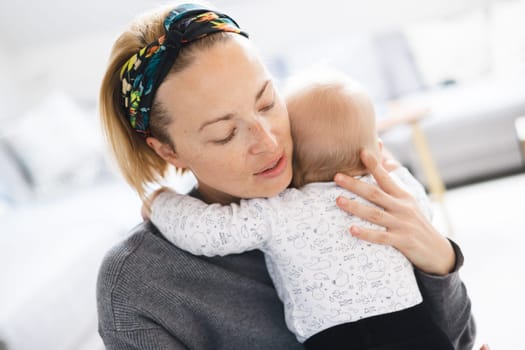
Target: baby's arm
{"x":214,"y":229}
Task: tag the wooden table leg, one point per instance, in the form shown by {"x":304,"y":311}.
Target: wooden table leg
{"x":436,"y":185}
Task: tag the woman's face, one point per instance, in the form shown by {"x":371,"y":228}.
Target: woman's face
{"x":230,"y":126}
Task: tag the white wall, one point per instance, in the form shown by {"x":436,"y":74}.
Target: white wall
{"x":74,"y":66}
{"x":9,"y":96}
{"x":69,"y":50}
{"x":316,"y":21}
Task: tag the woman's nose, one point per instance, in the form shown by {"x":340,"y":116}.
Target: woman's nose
{"x":263,"y":137}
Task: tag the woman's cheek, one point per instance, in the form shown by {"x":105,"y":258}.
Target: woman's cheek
{"x":281,"y":122}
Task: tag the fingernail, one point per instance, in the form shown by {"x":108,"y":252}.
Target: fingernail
{"x":342,"y":201}
{"x":338,"y":178}
{"x":354,"y":231}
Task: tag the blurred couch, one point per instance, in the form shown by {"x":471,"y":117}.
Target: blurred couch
{"x":470,"y":130}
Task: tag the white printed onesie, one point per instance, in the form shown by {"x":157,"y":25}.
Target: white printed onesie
{"x":322,"y":274}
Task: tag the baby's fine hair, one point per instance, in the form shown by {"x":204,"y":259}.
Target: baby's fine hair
{"x":332,"y":119}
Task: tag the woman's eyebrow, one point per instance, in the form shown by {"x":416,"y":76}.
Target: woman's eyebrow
{"x":230,"y":115}
{"x":260,"y":93}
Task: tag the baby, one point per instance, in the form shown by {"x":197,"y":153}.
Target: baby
{"x":334,"y":287}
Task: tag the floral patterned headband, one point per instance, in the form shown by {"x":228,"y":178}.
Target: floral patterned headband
{"x":143,"y":73}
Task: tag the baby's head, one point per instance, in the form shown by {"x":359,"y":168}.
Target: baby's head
{"x":332,"y":119}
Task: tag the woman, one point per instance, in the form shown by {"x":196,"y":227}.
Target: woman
{"x":186,"y":88}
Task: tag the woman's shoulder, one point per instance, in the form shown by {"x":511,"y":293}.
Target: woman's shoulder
{"x":134,"y":271}
{"x":112,"y":264}
{"x":114,"y":272}
{"x":124,"y":263}
{"x":139,"y":257}
{"x":146,"y":261}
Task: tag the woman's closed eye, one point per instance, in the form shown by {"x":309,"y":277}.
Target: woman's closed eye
{"x":228,"y":138}
{"x":267,"y":107}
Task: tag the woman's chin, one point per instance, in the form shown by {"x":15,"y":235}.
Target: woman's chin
{"x":273,"y":188}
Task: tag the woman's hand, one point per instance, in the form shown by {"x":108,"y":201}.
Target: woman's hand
{"x":388,"y":161}
{"x":406,"y":228}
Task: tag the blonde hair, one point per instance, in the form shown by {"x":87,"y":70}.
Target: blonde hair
{"x":140,"y":164}
{"x":332,"y":119}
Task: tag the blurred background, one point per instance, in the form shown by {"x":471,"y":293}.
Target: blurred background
{"x":447,"y":77}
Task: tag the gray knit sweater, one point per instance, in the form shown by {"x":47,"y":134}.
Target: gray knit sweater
{"x":152,"y":295}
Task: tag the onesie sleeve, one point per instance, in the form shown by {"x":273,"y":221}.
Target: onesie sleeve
{"x":214,"y":229}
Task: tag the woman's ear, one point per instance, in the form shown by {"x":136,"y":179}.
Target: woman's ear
{"x":166,"y":152}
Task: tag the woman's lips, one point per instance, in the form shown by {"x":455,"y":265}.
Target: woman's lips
{"x":275,"y":168}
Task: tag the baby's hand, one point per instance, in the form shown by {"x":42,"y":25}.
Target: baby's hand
{"x":145,"y":211}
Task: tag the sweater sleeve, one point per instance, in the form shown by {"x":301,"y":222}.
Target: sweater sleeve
{"x":214,"y":229}
{"x":450,"y":304}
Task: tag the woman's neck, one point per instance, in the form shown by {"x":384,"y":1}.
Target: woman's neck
{"x":211,"y":195}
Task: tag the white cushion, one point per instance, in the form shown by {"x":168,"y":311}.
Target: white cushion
{"x":58,"y":143}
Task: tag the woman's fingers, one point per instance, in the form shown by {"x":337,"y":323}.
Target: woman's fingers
{"x":368,"y":191}
{"x":373,"y":236}
{"x":383,"y":179}
{"x":368,"y":213}
{"x":382,"y":195}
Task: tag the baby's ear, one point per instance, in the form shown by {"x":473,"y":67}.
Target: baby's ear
{"x":166,"y":152}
